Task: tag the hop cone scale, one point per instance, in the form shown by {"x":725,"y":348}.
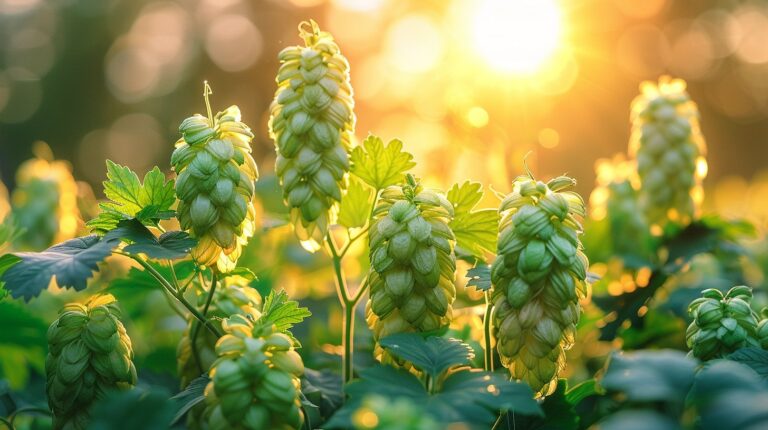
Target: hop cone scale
{"x":255,"y":381}
{"x":312,"y":124}
{"x":722,"y":323}
{"x":412,"y":263}
{"x":215,"y":185}
{"x":669,"y":149}
{"x":89,"y":353}
{"x":234,"y":298}
{"x":538,"y":278}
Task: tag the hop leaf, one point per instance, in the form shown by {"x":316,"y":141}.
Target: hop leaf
{"x":475,"y":230}
{"x":148,"y":202}
{"x":282,"y":312}
{"x":381,"y":165}
{"x":356,"y":206}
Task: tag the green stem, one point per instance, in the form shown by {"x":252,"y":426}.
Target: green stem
{"x":196,"y":327}
{"x":176,"y":294}
{"x":487,"y":332}
{"x":7,"y":423}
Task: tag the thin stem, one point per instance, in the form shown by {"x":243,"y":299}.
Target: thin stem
{"x":206,"y":92}
{"x":487,"y":332}
{"x":196,"y":327}
{"x":7,"y":423}
{"x":176,"y":294}
{"x":352,"y":240}
{"x":349,"y":333}
{"x":341,"y":284}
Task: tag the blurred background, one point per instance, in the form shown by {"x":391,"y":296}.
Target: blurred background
{"x":469,"y":86}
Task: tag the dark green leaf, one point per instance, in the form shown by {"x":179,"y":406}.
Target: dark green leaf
{"x":133,"y":409}
{"x":559,"y":414}
{"x":72,"y":263}
{"x":433,"y":355}
{"x":639,"y":420}
{"x":381,"y":165}
{"x":323,"y":390}
{"x":170,"y":245}
{"x":647,"y":376}
{"x":480,"y":277}
{"x":580,"y":392}
{"x":193,"y":395}
{"x":493,"y":391}
{"x":755,"y":358}
{"x":730,"y":395}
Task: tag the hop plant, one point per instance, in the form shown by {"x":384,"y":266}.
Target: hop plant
{"x":538,"y":278}
{"x":380,"y":413}
{"x":762,"y":331}
{"x":44,"y":202}
{"x":215,"y":185}
{"x":89,"y":353}
{"x":412,"y":263}
{"x":233,"y":298}
{"x":722,"y":323}
{"x":669,"y":149}
{"x":312,"y":124}
{"x":255,"y":381}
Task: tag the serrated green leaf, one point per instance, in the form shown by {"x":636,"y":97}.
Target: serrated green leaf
{"x":480,"y":277}
{"x":648,"y":376}
{"x":193,"y":395}
{"x":116,"y":410}
{"x":756,"y":358}
{"x":283,"y":313}
{"x":72,"y":263}
{"x":243,"y":272}
{"x":170,"y":245}
{"x":129,"y":198}
{"x":381,"y":165}
{"x":356,"y":205}
{"x":433,"y":355}
{"x":323,"y":389}
{"x":476,"y":231}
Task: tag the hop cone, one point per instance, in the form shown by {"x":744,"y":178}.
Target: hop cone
{"x":412,"y":263}
{"x":722,"y":323}
{"x":234,"y":298}
{"x":255,"y":381}
{"x":381,"y":413}
{"x":89,"y":353}
{"x":538,"y":277}
{"x":312,"y":124}
{"x":762,"y":333}
{"x":669,"y":148}
{"x":215,"y":185}
{"x":44,"y":202}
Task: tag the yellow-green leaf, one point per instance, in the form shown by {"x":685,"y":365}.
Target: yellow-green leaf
{"x":475,"y":230}
{"x":356,"y":204}
{"x":381,"y":165}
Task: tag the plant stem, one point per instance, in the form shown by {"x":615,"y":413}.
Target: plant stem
{"x":176,"y":294}
{"x":487,"y":333}
{"x":196,"y":327}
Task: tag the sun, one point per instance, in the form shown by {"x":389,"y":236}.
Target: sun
{"x":517,"y":36}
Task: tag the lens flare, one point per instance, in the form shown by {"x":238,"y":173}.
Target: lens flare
{"x":517,"y":36}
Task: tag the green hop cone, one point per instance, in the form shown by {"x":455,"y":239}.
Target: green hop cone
{"x":669,"y":150}
{"x":381,"y":413}
{"x":255,"y":381}
{"x":762,"y":333}
{"x":233,"y":298}
{"x":722,"y":323}
{"x":89,"y":353}
{"x":412,"y":263}
{"x":312,"y":124}
{"x":215,"y":185}
{"x":538,"y":277}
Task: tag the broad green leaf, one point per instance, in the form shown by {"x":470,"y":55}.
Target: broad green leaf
{"x":381,"y":165}
{"x":433,"y":355}
{"x":323,"y":390}
{"x":283,"y":313}
{"x":72,"y":263}
{"x":730,"y":395}
{"x":356,"y":205}
{"x":480,"y":277}
{"x":650,"y":376}
{"x":170,"y":245}
{"x":193,"y":395}
{"x":640,"y":419}
{"x":129,"y":198}
{"x":559,"y":414}
{"x":582,"y":391}
{"x":475,"y":230}
{"x":756,"y":358}
{"x":493,"y":391}
{"x":6,"y":261}
{"x":119,"y":410}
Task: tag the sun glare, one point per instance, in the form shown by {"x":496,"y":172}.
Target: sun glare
{"x":517,"y":36}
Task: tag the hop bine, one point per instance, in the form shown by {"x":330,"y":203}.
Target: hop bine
{"x":538,"y":278}
{"x":669,"y":149}
{"x":312,"y":124}
{"x":89,"y":353}
{"x":723,"y":323}
{"x":255,"y":381}
{"x":412,"y":263}
{"x":215,"y":185}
